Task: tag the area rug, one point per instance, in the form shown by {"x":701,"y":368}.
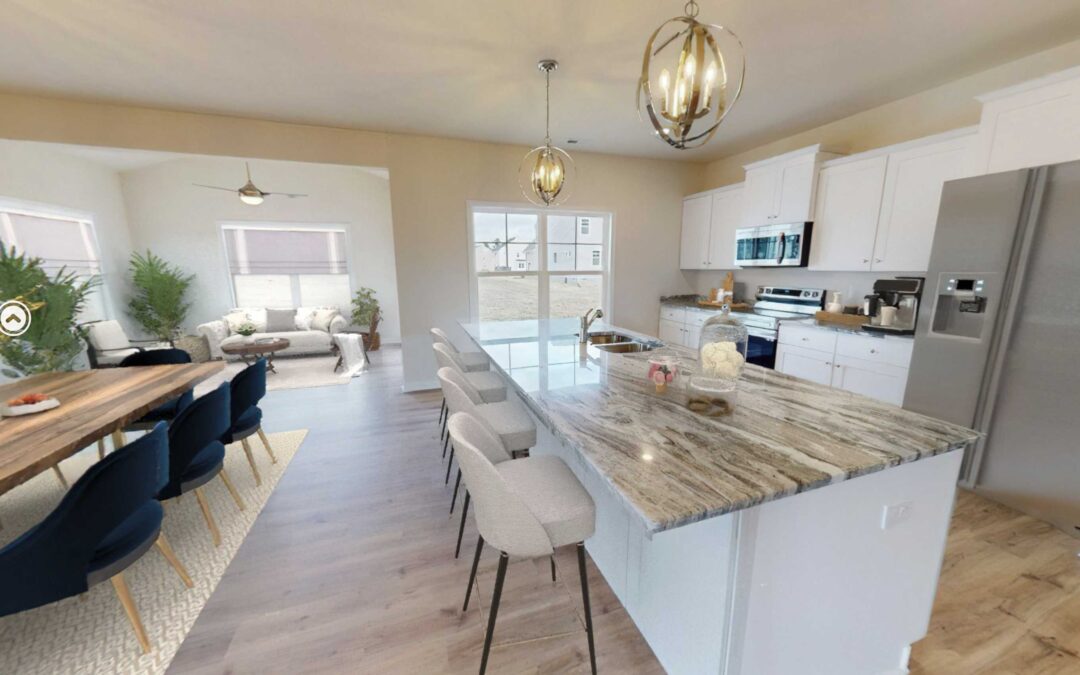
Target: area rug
{"x":92,"y":635}
{"x":295,"y":372}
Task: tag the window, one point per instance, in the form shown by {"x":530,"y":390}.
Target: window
{"x":276,"y":266}
{"x":530,"y":264}
{"x":61,"y":241}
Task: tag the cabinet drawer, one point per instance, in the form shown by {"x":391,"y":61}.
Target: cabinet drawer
{"x":697,"y":319}
{"x":676,"y":314}
{"x":876,"y":350}
{"x":821,"y":339}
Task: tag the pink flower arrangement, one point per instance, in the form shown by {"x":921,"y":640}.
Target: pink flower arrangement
{"x":661,"y":373}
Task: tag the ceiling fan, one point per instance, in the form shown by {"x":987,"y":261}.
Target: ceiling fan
{"x":249,"y":194}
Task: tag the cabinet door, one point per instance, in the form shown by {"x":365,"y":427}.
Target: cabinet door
{"x":808,"y":364}
{"x":726,"y":218}
{"x":882,"y":382}
{"x":846,"y":218}
{"x":795,"y":192}
{"x":909,"y":206}
{"x":694,"y":254}
{"x":671,"y":332}
{"x":1030,"y":128}
{"x":760,"y":195}
{"x":692,"y":337}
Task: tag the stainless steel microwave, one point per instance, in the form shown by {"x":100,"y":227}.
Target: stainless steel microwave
{"x":773,"y":245}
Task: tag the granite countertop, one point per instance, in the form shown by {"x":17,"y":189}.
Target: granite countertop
{"x":841,"y":328}
{"x":673,"y":466}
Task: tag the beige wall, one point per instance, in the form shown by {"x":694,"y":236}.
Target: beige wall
{"x":431,"y":181}
{"x":949,"y":106}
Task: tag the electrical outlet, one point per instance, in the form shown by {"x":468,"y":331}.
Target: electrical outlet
{"x":894,"y":514}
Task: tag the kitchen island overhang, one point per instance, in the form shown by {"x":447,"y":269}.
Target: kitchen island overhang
{"x":694,"y":513}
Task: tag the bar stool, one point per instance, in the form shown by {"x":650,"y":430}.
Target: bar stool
{"x":489,"y":385}
{"x":471,"y":362}
{"x":526,"y":508}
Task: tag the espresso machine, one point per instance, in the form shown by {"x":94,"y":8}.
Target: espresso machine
{"x":893,"y":307}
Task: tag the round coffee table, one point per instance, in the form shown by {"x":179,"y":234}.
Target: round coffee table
{"x":251,"y":351}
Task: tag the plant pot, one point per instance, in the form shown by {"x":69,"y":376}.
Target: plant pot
{"x":195,"y":345}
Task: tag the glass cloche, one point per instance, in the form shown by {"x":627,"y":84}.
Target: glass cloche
{"x":721,"y":354}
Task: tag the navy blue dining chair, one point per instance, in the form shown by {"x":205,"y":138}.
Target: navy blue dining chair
{"x":248,"y":388}
{"x":197,"y":455}
{"x":107,"y":520}
{"x":164,"y":412}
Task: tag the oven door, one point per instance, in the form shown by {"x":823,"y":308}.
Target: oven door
{"x":761,"y":348}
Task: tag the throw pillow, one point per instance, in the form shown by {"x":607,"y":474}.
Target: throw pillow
{"x":280,"y":320}
{"x":235,"y":319}
{"x":304,"y":315}
{"x":321,"y":320}
{"x":106,"y":335}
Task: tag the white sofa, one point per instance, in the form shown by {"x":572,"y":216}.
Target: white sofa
{"x":303,"y":338}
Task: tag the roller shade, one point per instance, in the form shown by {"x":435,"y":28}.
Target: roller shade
{"x":252,"y":250}
{"x":59,"y":242}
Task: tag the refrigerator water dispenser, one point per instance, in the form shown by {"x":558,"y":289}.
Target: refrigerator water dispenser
{"x":960,"y":307}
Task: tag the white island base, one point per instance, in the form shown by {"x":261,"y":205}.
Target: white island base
{"x":837,"y":580}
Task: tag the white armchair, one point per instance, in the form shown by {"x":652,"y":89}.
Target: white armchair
{"x":107,"y":343}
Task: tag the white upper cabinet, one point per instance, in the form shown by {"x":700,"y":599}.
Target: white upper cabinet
{"x":781,"y":189}
{"x":1028,"y":125}
{"x":877,"y":211}
{"x":909,"y":203}
{"x":726,"y":215}
{"x":708,"y":229}
{"x":696,"y":215}
{"x":846,"y":218}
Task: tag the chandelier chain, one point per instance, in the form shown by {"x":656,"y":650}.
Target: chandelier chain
{"x":547,"y":110}
{"x":691,"y":8}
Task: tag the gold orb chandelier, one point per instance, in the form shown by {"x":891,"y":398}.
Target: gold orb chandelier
{"x":691,"y":80}
{"x":547,"y":172}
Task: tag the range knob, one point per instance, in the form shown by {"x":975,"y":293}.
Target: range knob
{"x":806,"y":294}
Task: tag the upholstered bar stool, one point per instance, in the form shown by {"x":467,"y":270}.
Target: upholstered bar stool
{"x":507,"y":419}
{"x":488,"y":384}
{"x":525,"y":508}
{"x":471,"y":362}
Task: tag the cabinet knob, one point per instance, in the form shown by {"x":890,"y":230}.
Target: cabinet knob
{"x":828,"y":363}
{"x":877,"y":259}
{"x":805,"y":339}
{"x":873,"y":351}
{"x":866,"y":260}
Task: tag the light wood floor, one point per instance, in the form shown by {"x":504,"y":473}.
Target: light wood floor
{"x":350,"y":568}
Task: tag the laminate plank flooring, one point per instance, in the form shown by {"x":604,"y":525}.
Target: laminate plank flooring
{"x":350,"y":568}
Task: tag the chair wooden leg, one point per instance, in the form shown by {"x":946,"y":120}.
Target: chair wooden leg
{"x":461,"y":528}
{"x":232,"y":488}
{"x":101,"y":448}
{"x":266,"y":444}
{"x":118,"y":440}
{"x":251,"y":460}
{"x":214,"y":534}
{"x":494,"y":611}
{"x":163,"y":545}
{"x":60,"y":476}
{"x":472,"y":574}
{"x":132,"y":612}
{"x":585,"y":601}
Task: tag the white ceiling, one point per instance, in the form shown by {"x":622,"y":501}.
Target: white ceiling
{"x":467,"y":69}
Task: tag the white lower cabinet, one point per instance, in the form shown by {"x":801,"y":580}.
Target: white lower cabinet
{"x":872,"y":366}
{"x":672,"y":332}
{"x":808,"y":364}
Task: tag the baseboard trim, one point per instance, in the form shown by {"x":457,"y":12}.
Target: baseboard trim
{"x":426,"y":384}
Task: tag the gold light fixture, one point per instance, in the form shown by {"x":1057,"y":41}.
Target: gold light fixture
{"x":694,"y":77}
{"x":547,"y":172}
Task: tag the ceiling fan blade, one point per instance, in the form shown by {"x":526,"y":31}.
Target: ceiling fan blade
{"x":290,"y":195}
{"x":214,"y":187}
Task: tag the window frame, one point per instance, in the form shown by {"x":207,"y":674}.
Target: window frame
{"x":53,"y":212}
{"x":542,"y":272}
{"x":225,"y":225}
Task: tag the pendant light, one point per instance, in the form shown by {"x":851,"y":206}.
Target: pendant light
{"x":547,"y":172}
{"x":690,"y":80}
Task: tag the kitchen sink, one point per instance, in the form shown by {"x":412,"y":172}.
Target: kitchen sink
{"x":626,"y":347}
{"x":607,"y":338}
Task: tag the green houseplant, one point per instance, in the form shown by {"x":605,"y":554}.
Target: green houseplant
{"x":158,"y":304}
{"x":364,"y":306}
{"x":52,"y":341}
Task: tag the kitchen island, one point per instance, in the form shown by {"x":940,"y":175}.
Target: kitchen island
{"x":801,"y":533}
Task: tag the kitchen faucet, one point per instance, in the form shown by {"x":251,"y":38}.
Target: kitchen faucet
{"x":586,"y":321}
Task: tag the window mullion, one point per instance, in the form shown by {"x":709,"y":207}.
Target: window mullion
{"x":543,"y":307}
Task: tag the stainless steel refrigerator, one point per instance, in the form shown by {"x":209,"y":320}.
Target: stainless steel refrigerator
{"x":997,"y":345}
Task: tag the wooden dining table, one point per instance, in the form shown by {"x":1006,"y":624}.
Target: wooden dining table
{"x":93,"y":404}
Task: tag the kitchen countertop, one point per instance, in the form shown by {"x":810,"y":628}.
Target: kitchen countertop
{"x":811,"y":322}
{"x":673,"y":466}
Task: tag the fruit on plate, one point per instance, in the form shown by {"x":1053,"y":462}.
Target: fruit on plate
{"x":27,"y":399}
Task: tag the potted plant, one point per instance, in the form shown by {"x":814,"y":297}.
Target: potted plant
{"x":158,"y":304}
{"x":247,"y":329}
{"x":52,"y":340}
{"x":365,"y":313}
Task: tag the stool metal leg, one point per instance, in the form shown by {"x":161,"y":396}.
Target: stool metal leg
{"x":494,"y":611}
{"x":445,"y":443}
{"x":551,"y":558}
{"x":457,"y":484}
{"x":472,"y":574}
{"x":461,"y":528}
{"x":449,"y":464}
{"x":585,"y":601}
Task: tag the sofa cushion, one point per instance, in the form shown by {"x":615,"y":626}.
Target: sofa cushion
{"x":321,"y":320}
{"x":280,"y":320}
{"x":106,"y":335}
{"x":304,"y":315}
{"x":257,"y":316}
{"x":235,"y":319}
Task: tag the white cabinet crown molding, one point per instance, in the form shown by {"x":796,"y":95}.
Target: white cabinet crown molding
{"x":1030,"y":85}
{"x":809,"y":153}
{"x":715,"y":191}
{"x":962,"y":132}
